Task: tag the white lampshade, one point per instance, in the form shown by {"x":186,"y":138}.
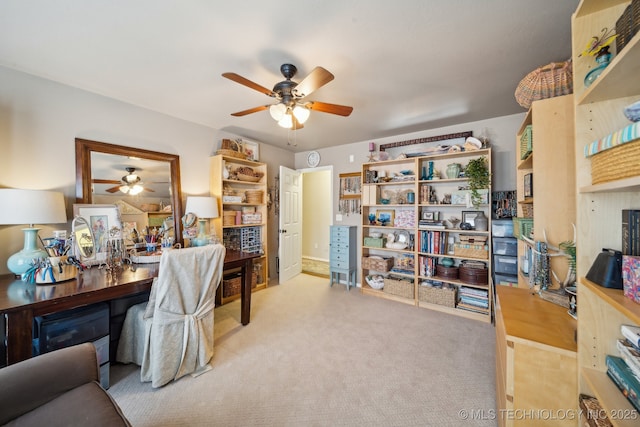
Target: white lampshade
{"x":30,"y":207}
{"x":301,"y":113}
{"x":203,"y":207}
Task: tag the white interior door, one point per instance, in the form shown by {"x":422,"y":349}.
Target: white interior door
{"x":290,"y":224}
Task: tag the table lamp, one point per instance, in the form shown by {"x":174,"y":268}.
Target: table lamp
{"x":204,"y":208}
{"x":30,"y":207}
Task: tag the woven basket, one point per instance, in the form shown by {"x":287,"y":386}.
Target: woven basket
{"x":254,"y":196}
{"x":627,"y":25}
{"x":382,"y":265}
{"x":522,"y":227}
{"x":401,"y":288}
{"x":471,"y":251}
{"x":616,"y":163}
{"x":554,"y":79}
{"x":442,"y":296}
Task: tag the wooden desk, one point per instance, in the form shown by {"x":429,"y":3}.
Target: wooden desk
{"x":20,"y":302}
{"x":536,"y":359}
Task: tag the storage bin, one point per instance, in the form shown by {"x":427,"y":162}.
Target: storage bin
{"x":522,"y":227}
{"x":375,"y":242}
{"x":378,"y":263}
{"x":471,"y":250}
{"x":505,"y":246}
{"x":399,"y":287}
{"x":444,"y":295}
{"x":526,"y":142}
{"x":474,"y":276}
{"x":506,"y":280}
{"x":505,"y":264}
{"x":502,"y":228}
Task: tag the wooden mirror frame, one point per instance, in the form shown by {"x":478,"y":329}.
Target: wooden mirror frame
{"x":85,"y":147}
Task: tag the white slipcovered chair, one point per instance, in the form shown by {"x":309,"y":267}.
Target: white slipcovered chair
{"x":171,"y":335}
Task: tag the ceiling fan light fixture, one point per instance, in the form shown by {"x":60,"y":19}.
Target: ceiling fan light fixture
{"x":286,"y":121}
{"x":136,"y":189}
{"x":124,"y":189}
{"x":278,"y":111}
{"x":302,"y":113}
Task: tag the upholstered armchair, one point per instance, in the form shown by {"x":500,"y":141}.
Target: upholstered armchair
{"x":59,"y":388}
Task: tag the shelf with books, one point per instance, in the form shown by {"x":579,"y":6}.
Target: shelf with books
{"x":426,"y":208}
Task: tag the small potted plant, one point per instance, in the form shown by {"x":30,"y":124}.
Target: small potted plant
{"x":479,"y":176}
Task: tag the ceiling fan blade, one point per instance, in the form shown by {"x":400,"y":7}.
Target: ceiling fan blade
{"x":248,"y":83}
{"x":317,"y":78}
{"x":105,"y":181}
{"x":113,"y":189}
{"x":149,"y":190}
{"x":251,"y":110}
{"x":341,"y":110}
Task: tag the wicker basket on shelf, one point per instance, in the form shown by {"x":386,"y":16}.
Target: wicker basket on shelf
{"x":444,"y":295}
{"x":616,"y":163}
{"x":399,"y":287}
{"x":554,"y":79}
{"x":231,"y":148}
{"x":228,"y":218}
{"x":254,"y":196}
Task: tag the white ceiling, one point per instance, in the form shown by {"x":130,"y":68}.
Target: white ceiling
{"x":404,"y":66}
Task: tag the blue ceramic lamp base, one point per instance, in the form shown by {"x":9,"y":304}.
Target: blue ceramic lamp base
{"x":201,"y":239}
{"x":20,"y":262}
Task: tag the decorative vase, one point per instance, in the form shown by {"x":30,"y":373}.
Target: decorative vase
{"x":481,"y":222}
{"x":447,"y":262}
{"x":424,"y":173}
{"x":602,"y":59}
{"x":453,"y":170}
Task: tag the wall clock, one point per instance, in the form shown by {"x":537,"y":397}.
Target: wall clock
{"x":313,"y":159}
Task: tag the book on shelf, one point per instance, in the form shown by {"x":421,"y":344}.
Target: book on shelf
{"x":630,"y":355}
{"x":473,"y":308}
{"x":632,"y":333}
{"x":631,"y":232}
{"x":623,"y":377}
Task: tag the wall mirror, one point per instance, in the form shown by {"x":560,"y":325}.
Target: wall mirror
{"x":107,"y":171}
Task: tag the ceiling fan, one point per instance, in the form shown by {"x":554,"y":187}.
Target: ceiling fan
{"x":292,"y":110}
{"x":130,"y":184}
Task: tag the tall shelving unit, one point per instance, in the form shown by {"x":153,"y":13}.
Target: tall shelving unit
{"x":598,"y":112}
{"x":411,"y":257}
{"x":249,"y":234}
{"x":552,"y":175}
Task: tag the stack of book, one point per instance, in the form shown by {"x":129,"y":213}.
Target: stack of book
{"x":631,"y":232}
{"x":430,"y":223}
{"x":625,"y":370}
{"x":472,"y":299}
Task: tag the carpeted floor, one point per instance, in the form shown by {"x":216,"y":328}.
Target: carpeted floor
{"x":315,"y":267}
{"x":319,"y":356}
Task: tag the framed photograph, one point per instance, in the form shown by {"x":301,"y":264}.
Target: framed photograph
{"x":252,"y":150}
{"x":104,"y":220}
{"x":385,"y":217}
{"x":470,"y":217}
{"x":428,"y":215}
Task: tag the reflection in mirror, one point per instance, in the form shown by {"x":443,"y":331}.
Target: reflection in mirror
{"x":83,"y":238}
{"x":104,"y":171}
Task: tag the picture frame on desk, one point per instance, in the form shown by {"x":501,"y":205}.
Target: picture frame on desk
{"x":102,"y":219}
